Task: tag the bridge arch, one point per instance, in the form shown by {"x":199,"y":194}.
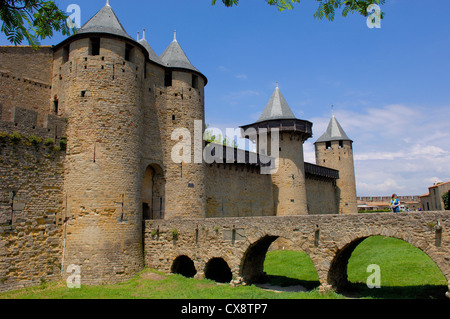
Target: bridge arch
{"x":252,"y":263}
{"x":184,"y":266}
{"x":217,"y":269}
{"x":337,"y":275}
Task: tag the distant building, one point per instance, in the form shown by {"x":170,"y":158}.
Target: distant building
{"x":433,"y":199}
{"x":379,"y":203}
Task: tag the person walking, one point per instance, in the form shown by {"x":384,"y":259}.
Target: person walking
{"x":395,"y":204}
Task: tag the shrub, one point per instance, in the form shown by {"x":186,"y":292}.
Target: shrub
{"x":175,"y":234}
{"x":34,"y":140}
{"x":49,"y":142}
{"x":446,"y":199}
{"x":15,"y":137}
{"x":63,"y":143}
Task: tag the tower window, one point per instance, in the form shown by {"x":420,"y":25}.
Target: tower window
{"x":66,"y":52}
{"x":194,"y":81}
{"x":55,"y":106}
{"x":168,"y":78}
{"x":328,"y":145}
{"x":341,"y":144}
{"x":128,"y":48}
{"x":95,"y":46}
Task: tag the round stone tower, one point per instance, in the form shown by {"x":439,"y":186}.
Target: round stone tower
{"x":288,"y":178}
{"x":334,"y":150}
{"x":100,"y":73}
{"x":184,"y":112}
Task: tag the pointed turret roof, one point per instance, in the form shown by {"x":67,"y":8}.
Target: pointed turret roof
{"x":105,"y":21}
{"x":277,"y":108}
{"x":334,"y":132}
{"x":175,"y":57}
{"x":152,"y":55}
{"x":279,"y":116}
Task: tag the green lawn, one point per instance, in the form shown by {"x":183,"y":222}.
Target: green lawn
{"x":406,"y":272}
{"x":146,"y":286}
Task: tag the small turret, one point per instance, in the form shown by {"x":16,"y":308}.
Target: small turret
{"x":184,"y":98}
{"x":334,"y":149}
{"x":289,"y":186}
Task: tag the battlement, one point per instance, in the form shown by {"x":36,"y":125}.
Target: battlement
{"x":371,"y":199}
{"x":25,"y":121}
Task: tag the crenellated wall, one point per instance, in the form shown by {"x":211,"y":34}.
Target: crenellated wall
{"x":31,"y":211}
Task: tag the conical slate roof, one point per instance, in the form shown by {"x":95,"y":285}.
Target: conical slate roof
{"x":152,"y":55}
{"x":334,"y":132}
{"x":175,"y":57}
{"x":277,"y":108}
{"x":105,"y":21}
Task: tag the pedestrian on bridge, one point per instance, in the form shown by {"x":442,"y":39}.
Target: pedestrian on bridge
{"x":395,"y":204}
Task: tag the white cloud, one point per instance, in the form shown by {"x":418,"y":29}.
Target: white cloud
{"x":241,"y":76}
{"x":397,"y":148}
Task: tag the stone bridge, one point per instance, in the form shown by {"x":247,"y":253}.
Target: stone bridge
{"x":222,"y":248}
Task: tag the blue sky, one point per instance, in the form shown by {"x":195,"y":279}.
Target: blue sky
{"x":390,"y":87}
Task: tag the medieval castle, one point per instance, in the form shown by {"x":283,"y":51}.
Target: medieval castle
{"x":86,"y":156}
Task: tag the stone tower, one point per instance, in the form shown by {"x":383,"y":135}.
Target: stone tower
{"x":122,"y":103}
{"x":98,"y":78}
{"x":334,"y":150}
{"x":289,"y":186}
{"x":185,"y":110}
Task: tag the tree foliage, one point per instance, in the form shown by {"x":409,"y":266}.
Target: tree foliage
{"x":446,"y":199}
{"x":31,"y":20}
{"x":327,"y":8}
{"x":210,"y":137}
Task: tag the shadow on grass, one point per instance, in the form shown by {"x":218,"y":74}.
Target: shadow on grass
{"x":360,"y":290}
{"x":284,"y":281}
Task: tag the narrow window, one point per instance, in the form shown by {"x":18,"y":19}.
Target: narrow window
{"x":95,"y":46}
{"x":128,"y":48}
{"x":341,"y":144}
{"x":168,"y":78}
{"x":194,"y":81}
{"x":328,"y":145}
{"x":146,"y":211}
{"x":66,"y":53}
{"x":173,"y":117}
{"x":55,"y":106}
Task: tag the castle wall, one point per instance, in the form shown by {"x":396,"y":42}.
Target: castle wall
{"x":31,"y":212}
{"x":237,"y":190}
{"x":322,"y":196}
{"x":25,"y":81}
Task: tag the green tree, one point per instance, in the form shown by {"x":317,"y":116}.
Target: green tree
{"x":33,"y":20}
{"x":211,"y":138}
{"x":327,"y":8}
{"x":446,"y":199}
